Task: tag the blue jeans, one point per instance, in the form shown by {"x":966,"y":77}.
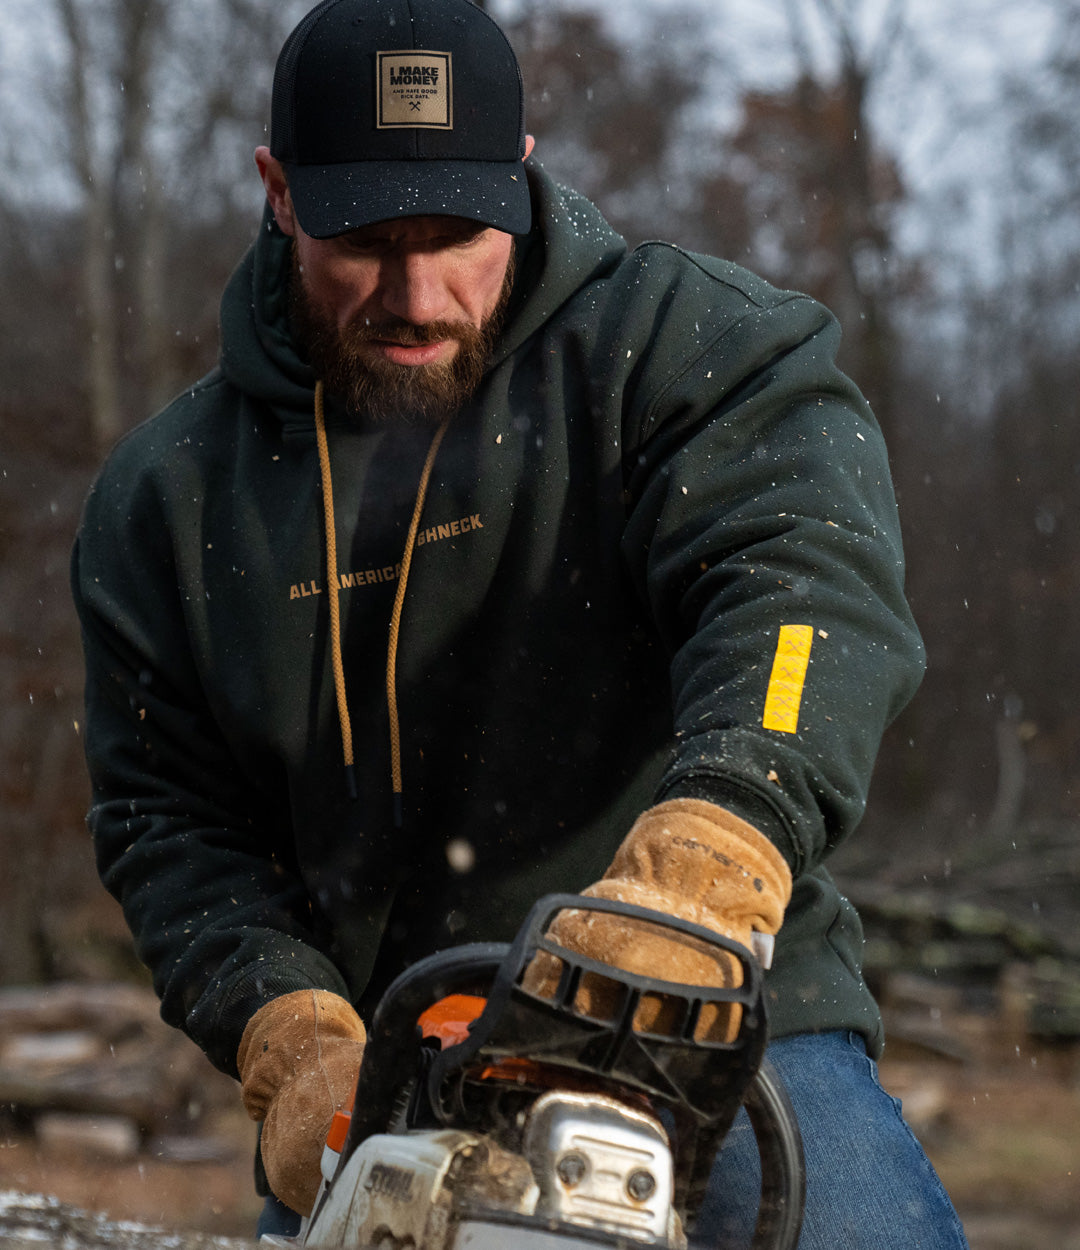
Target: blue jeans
{"x":869,"y":1186}
{"x":277,"y":1219}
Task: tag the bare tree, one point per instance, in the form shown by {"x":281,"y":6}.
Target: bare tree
{"x":99,"y":228}
{"x":120,"y":222}
{"x":807,"y":190}
{"x":610,"y":115}
{"x":155,"y":109}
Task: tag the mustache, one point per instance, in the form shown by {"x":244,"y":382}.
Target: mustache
{"x":406,"y":334}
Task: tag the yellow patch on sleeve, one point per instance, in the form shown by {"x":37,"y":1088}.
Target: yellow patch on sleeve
{"x":784,"y":695}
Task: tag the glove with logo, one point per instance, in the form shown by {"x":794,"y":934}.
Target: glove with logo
{"x":298,"y":1060}
{"x":686,"y":858}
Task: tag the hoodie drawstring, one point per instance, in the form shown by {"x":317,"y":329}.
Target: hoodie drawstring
{"x":395,"y":626}
{"x":333,"y":586}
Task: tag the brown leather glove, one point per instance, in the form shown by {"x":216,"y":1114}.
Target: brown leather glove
{"x":686,"y":858}
{"x":298,"y":1061}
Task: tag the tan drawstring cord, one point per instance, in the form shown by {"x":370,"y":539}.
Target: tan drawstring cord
{"x":395,"y":616}
{"x":395,"y":626}
{"x":332,"y":590}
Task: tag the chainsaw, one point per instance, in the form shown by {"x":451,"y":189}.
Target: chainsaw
{"x":488,"y":1117}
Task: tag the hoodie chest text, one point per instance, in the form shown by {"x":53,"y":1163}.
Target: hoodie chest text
{"x":378,"y":575}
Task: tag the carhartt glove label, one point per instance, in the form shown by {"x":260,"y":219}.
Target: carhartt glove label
{"x":415,"y":89}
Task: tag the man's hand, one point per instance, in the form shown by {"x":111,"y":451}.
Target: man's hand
{"x":298,"y":1061}
{"x":686,"y":858}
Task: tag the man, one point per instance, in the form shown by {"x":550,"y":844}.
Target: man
{"x":493,"y":559}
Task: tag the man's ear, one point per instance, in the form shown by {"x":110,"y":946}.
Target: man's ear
{"x":277,"y":189}
{"x":530,"y":143}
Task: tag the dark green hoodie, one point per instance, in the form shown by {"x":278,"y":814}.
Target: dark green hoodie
{"x":661,"y":469}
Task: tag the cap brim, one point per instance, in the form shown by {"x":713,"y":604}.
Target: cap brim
{"x":333,"y":199}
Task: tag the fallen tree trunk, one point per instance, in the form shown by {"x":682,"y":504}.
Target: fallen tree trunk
{"x":29,"y":1221}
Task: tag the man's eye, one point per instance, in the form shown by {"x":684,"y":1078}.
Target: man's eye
{"x":459,"y":235}
{"x":364,"y":244}
{"x":366,"y":247}
{"x":379,"y":246}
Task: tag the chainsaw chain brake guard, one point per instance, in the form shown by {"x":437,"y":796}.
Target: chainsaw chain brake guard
{"x":523,"y":1042}
{"x":700,"y":1083}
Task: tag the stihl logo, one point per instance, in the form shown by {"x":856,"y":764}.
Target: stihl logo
{"x":390,"y":1182}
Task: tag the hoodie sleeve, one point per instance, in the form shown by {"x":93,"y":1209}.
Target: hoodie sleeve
{"x":764,"y":536}
{"x":192,"y":846}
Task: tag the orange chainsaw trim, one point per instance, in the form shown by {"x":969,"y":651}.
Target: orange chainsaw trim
{"x":448,"y":1022}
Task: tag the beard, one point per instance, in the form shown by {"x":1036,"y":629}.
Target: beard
{"x":373,"y":387}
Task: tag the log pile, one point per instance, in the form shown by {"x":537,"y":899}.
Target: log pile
{"x":95,"y":1066}
{"x":991,"y":929}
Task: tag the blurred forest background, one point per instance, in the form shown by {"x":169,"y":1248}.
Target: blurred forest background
{"x":871,"y":152}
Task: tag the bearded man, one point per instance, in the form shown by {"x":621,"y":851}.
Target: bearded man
{"x":493,"y":559}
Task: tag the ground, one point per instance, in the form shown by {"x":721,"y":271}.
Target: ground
{"x":1005,"y":1138}
{"x":1001,"y":1122}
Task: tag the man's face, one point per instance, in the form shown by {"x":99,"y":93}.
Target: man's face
{"x":398,"y":318}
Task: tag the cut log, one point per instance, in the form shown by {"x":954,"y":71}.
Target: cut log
{"x":102,"y":1050}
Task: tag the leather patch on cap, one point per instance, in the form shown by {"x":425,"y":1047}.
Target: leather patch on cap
{"x":415,"y":89}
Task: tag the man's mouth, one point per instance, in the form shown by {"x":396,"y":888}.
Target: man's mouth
{"x":399,"y":353}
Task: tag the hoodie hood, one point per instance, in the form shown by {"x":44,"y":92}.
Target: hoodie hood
{"x":569,"y":246}
{"x":257,"y":352}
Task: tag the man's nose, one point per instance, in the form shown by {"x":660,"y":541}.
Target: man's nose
{"x":414,"y":288}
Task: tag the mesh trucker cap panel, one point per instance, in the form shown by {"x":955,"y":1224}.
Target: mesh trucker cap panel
{"x":282,"y":112}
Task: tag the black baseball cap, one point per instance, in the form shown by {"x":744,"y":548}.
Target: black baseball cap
{"x":400,"y":108}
